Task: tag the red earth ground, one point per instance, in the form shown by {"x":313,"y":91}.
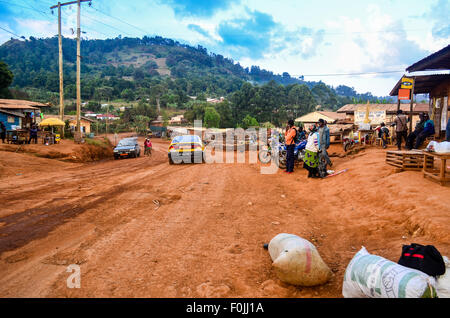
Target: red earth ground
{"x":205,"y":239}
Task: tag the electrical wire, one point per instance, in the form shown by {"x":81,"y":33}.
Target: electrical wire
{"x":347,"y":74}
{"x":18,"y":36}
{"x":118,"y":19}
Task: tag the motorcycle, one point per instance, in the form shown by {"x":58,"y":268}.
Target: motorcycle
{"x":299,"y":153}
{"x":349,"y":143}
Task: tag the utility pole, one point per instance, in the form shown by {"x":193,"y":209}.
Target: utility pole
{"x":61,"y":82}
{"x":59,"y":5}
{"x":78,"y":69}
{"x":411,"y":105}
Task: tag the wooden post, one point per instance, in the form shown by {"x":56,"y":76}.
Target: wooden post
{"x":78,"y":69}
{"x":59,"y":5}
{"x":61,"y":81}
{"x":411,"y":105}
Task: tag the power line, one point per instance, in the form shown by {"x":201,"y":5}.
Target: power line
{"x":347,"y":74}
{"x":11,"y":33}
{"x":108,"y":25}
{"x":118,"y":19}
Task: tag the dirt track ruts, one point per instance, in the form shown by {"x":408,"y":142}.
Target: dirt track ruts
{"x":205,"y":240}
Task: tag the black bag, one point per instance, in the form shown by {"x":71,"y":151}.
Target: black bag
{"x":423,"y":258}
{"x":297,"y":136}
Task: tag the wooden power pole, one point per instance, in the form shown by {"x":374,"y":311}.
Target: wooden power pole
{"x":61,"y":81}
{"x":61,"y":85}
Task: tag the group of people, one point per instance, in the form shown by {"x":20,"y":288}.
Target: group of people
{"x":33,"y":133}
{"x":316,"y":155}
{"x":424,"y":128}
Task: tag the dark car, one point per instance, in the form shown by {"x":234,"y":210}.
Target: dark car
{"x":127,"y":147}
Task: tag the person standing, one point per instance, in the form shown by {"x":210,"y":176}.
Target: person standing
{"x":311,"y":161}
{"x":2,"y":131}
{"x":401,"y":128}
{"x":324,"y":141}
{"x":383,"y":134}
{"x":289,"y":137}
{"x":33,"y":134}
{"x":147,"y":147}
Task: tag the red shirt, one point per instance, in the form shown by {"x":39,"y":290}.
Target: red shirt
{"x":147,"y":143}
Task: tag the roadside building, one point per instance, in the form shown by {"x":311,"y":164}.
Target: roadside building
{"x":11,"y":119}
{"x":159,"y":122}
{"x":215,"y":100}
{"x":85,"y":122}
{"x":107,"y":117}
{"x":313,"y":117}
{"x":90,"y":114}
{"x":378,"y":113}
{"x":437,"y":86}
{"x":177,"y":120}
{"x":337,"y":123}
{"x":20,"y":114}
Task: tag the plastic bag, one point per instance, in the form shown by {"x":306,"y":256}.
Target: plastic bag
{"x":443,"y":281}
{"x":297,"y":261}
{"x":372,"y":276}
{"x":439,"y":147}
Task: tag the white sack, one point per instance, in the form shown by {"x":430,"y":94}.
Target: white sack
{"x":372,"y":276}
{"x":297,"y":261}
{"x":443,"y":281}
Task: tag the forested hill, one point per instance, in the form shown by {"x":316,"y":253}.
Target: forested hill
{"x":126,"y":64}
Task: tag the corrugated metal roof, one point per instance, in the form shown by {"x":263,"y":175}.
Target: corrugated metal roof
{"x":439,"y":60}
{"x":390,"y":108}
{"x":70,"y":117}
{"x":20,"y":104}
{"x":423,"y":84}
{"x":315,"y":116}
{"x":10,"y":112}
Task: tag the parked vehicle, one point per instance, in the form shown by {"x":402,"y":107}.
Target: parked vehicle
{"x":299,"y":154}
{"x":186,"y":148}
{"x":127,"y":147}
{"x":349,"y":143}
{"x":266,"y":155}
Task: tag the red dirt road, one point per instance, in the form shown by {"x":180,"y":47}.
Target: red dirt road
{"x":206,"y":238}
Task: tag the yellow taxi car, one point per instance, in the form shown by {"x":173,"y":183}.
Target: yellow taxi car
{"x":187,"y":149}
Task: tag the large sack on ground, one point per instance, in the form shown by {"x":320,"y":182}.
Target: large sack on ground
{"x":443,"y":281}
{"x":372,"y":276}
{"x":297,"y":261}
{"x":439,"y":147}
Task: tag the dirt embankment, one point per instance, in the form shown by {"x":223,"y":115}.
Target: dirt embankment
{"x":204,"y":235}
{"x":99,"y":148}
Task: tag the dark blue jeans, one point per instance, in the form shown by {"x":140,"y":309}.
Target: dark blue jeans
{"x":290,"y":158}
{"x":448,"y":130}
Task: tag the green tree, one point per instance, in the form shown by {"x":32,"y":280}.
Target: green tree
{"x":301,"y":100}
{"x":141,"y":124}
{"x":212,"y":118}
{"x":127,"y":94}
{"x":93,"y":106}
{"x":104,"y":93}
{"x":6,"y":78}
{"x":249,"y":121}
{"x":226,"y":114}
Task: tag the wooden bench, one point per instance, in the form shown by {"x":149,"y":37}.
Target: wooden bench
{"x":408,"y":160}
{"x":441,"y":175}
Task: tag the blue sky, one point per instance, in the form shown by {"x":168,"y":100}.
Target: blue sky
{"x":299,"y":37}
